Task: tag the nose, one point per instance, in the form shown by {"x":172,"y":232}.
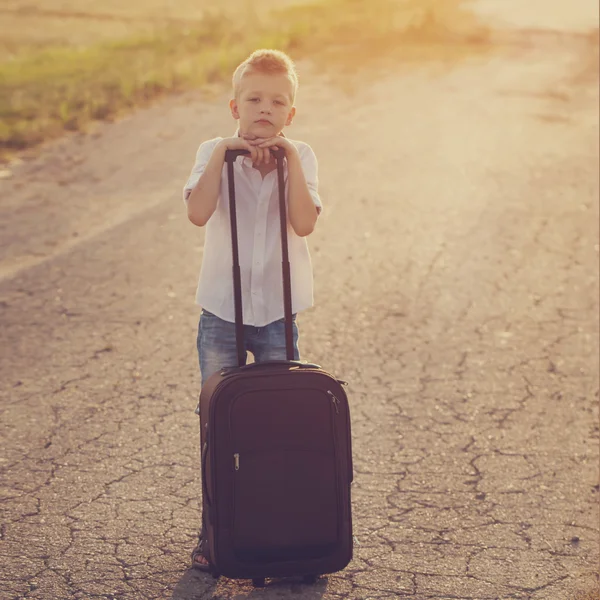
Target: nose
{"x":265,"y":108}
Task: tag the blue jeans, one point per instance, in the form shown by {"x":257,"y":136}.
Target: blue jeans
{"x":217,"y":348}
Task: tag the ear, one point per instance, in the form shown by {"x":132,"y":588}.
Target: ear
{"x":233,"y":106}
{"x":291,"y":116}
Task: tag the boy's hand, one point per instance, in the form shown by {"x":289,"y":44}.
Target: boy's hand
{"x":263,"y":154}
{"x":275,"y":142}
{"x":264,"y":146}
{"x":241,"y":143}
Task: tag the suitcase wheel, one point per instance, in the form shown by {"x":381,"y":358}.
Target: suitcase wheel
{"x":310,"y":579}
{"x":258,"y":582}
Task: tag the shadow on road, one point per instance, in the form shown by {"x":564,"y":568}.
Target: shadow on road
{"x":195,"y":585}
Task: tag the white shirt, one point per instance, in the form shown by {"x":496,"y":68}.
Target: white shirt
{"x":259,"y":242}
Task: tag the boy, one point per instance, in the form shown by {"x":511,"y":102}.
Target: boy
{"x":264,"y":88}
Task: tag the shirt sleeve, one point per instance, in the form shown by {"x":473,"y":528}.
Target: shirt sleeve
{"x":202,"y":157}
{"x":310,"y":168}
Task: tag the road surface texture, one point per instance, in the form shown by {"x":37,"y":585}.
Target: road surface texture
{"x":456,"y":269}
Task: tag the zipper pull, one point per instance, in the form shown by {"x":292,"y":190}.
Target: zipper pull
{"x":336,"y":402}
{"x":236,"y":461}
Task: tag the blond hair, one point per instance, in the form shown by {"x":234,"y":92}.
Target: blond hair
{"x":270,"y":62}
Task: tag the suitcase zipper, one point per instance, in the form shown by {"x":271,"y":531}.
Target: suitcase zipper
{"x":338,"y":492}
{"x":236,"y":461}
{"x":336,"y":402}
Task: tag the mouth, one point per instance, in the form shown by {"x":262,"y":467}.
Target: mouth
{"x":264,"y":122}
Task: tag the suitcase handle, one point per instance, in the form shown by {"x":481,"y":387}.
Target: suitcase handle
{"x":232,"y":155}
{"x":230,"y":158}
{"x":204,"y":482}
{"x":269,"y":363}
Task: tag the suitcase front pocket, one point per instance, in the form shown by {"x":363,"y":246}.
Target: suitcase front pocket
{"x":285,"y":505}
{"x":286,"y":500}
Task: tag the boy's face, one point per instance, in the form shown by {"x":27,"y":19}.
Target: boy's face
{"x":263,"y":104}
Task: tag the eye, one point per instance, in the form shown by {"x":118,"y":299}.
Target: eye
{"x":279,"y":102}
{"x":253,"y":99}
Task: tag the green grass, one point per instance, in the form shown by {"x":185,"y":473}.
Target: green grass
{"x":48,"y":92}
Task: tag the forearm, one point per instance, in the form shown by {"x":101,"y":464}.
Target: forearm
{"x":203,"y":199}
{"x":302,"y":211}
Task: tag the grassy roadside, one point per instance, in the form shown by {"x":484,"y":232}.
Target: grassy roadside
{"x":48,"y":92}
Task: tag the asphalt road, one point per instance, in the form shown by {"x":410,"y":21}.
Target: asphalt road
{"x":456,"y":270}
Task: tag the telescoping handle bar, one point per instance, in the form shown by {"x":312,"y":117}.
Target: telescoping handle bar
{"x":230,"y":158}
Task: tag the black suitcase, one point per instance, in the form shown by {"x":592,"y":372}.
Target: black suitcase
{"x":276,"y":454}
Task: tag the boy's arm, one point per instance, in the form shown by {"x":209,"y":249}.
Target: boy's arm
{"x":202,"y":200}
{"x":302,"y":211}
{"x":303,"y":198}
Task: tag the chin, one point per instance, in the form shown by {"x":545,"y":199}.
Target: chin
{"x":260,"y":130}
{"x":264,"y":127}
